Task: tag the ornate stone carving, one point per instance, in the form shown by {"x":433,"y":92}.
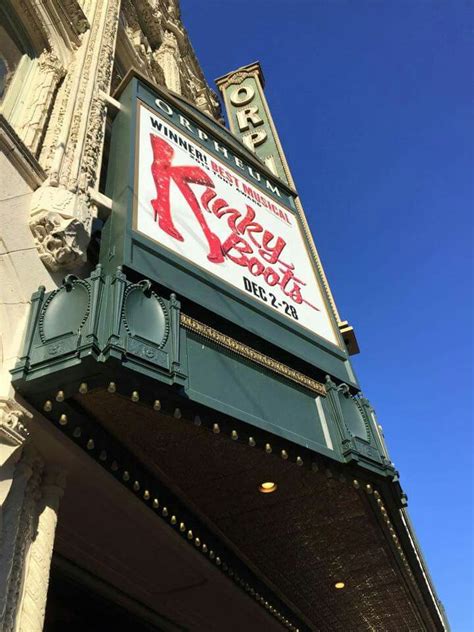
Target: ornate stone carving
{"x":80,"y":163}
{"x":75,"y":15}
{"x":58,"y":240}
{"x":60,"y":223}
{"x":208,"y":103}
{"x":12,"y":431}
{"x":92,"y":153}
{"x":164,"y":51}
{"x":44,"y":18}
{"x":149,"y":18}
{"x":61,"y":214}
{"x":73,"y":143}
{"x":168,"y":58}
{"x":236,"y":78}
{"x":52,"y":149}
{"x":50,"y":63}
{"x":132,"y":37}
{"x":202,"y":102}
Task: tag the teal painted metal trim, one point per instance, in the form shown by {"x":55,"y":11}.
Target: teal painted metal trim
{"x":236,"y":387}
{"x":152,"y":261}
{"x":263,"y":424}
{"x":109,"y":325}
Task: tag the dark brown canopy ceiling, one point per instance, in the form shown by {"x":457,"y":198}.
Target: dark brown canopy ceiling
{"x":315,"y":530}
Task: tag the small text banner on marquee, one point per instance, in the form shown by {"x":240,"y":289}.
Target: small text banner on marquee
{"x":214,"y":217}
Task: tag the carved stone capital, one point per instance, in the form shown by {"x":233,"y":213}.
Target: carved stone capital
{"x":60,"y":222}
{"x":12,"y":431}
{"x":30,"y":470}
{"x":49,"y":62}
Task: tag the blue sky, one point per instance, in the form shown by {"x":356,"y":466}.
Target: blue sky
{"x":373,"y":102}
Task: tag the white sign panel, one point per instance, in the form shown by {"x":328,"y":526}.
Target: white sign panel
{"x":211,"y":215}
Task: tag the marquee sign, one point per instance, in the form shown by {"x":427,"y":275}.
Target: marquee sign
{"x":250,"y":119}
{"x":212,"y":215}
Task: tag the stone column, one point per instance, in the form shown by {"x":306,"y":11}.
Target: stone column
{"x":29,"y":500}
{"x":19,"y":532}
{"x":15,"y":478}
{"x":32,"y":606}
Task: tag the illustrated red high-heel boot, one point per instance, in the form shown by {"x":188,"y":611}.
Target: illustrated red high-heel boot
{"x":183,"y":176}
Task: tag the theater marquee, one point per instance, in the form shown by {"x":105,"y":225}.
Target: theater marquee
{"x":214,"y":217}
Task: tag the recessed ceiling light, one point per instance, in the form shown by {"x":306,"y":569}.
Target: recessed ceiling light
{"x":268,"y":487}
{"x":339,"y":585}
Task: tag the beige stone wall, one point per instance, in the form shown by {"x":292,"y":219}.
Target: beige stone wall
{"x":52,"y":129}
{"x":21,"y":271}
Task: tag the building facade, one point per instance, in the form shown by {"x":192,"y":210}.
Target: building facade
{"x":183,"y":442}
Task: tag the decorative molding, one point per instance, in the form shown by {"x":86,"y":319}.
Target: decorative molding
{"x":251,"y":354}
{"x":85,"y":134}
{"x":235,"y":78}
{"x":363,"y":413}
{"x":73,"y":145}
{"x":20,"y":157}
{"x":91,"y":158}
{"x":46,"y":72}
{"x":162,"y":44}
{"x":70,"y":282}
{"x":57,"y":23}
{"x":144,"y":286}
{"x":53,"y":147}
{"x":74,"y":15}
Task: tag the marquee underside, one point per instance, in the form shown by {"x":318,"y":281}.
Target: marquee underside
{"x":285,"y":549}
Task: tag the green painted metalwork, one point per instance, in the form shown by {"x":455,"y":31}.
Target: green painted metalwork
{"x":123,"y":323}
{"x":122,"y":246}
{"x":108,"y":327}
{"x":268,"y":148}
